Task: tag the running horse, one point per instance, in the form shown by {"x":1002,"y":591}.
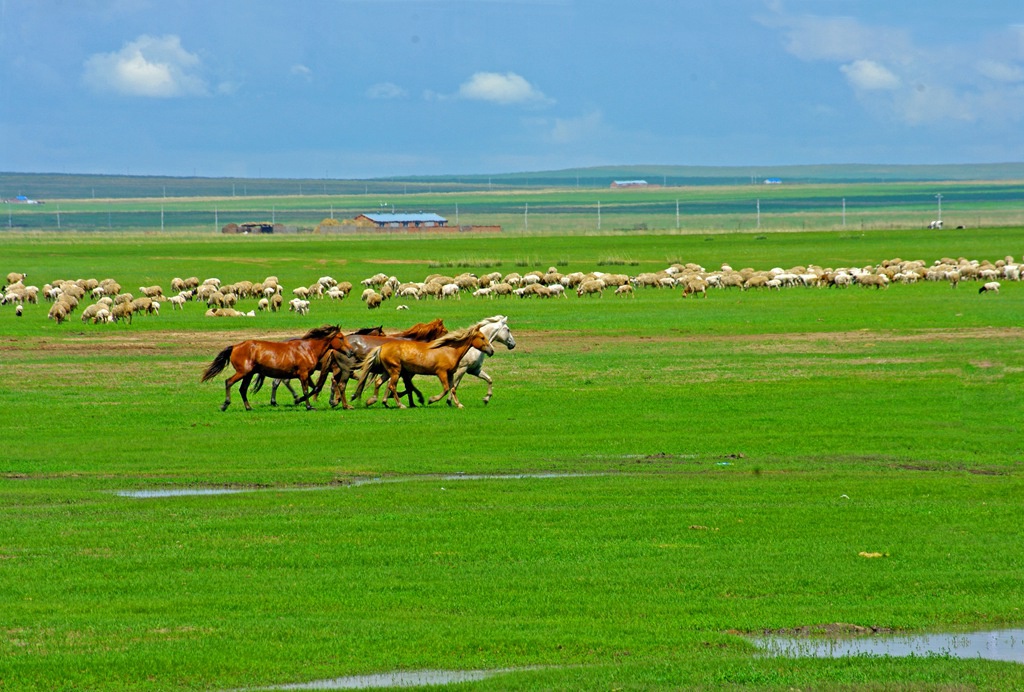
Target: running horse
{"x":405,"y":357}
{"x":285,"y":360}
{"x":363,"y":344}
{"x":497,"y":332}
{"x":340,"y":363}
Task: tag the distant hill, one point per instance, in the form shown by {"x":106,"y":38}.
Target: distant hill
{"x":45,"y":186}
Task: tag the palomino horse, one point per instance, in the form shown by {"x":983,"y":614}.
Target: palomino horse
{"x":439,"y":358}
{"x":339,"y":362}
{"x":288,"y":359}
{"x":497,"y":331}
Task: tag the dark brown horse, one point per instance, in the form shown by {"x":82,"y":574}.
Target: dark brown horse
{"x":405,"y":357}
{"x":340,"y":363}
{"x":285,"y":360}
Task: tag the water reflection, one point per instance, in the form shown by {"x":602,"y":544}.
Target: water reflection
{"x":185,"y":492}
{"x":415,"y":678}
{"x":995,"y":645}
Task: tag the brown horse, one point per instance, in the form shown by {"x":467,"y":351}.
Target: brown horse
{"x":364,"y":344}
{"x":439,"y":358}
{"x":288,"y":359}
{"x":340,"y":363}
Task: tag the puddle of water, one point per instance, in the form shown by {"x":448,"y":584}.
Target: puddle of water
{"x":997,"y":645}
{"x":184,"y":492}
{"x":416,"y":678}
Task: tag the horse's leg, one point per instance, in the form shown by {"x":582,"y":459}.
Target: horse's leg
{"x":243,"y":389}
{"x":295,"y":396}
{"x":377,"y":382}
{"x":490,"y":384}
{"x":410,"y":389}
{"x":273,"y":391}
{"x":445,"y":389}
{"x":393,"y":388}
{"x":228,"y":384}
{"x":304,"y":381}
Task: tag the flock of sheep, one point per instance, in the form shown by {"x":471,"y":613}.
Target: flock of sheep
{"x":112,"y":304}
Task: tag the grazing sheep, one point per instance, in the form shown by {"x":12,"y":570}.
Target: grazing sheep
{"x":557,"y":290}
{"x":483,"y":293}
{"x":990,"y":287}
{"x":151,"y":291}
{"x":102,"y":316}
{"x":122,"y":311}
{"x":373,"y":301}
{"x":625,"y":290}
{"x":695,"y":286}
{"x":264,"y":304}
{"x":15,"y":277}
{"x":590,"y":287}
{"x":18,"y":309}
{"x":58,"y":313}
{"x":275,"y":302}
{"x":299,"y":306}
{"x":177,"y":301}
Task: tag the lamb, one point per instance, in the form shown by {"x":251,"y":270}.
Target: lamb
{"x":177,"y":301}
{"x":263,"y":305}
{"x":990,"y":287}
{"x":298,"y":306}
{"x":625,"y":290}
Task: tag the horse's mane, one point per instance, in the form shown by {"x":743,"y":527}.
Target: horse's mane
{"x":459,"y":336}
{"x":324,"y":332}
{"x":491,"y":320}
{"x":424,"y":331}
{"x":366,"y":331}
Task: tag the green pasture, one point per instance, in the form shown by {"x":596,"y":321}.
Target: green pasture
{"x":654,"y":478}
{"x":837,"y":206}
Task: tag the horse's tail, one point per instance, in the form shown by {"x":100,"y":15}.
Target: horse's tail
{"x":218,"y":364}
{"x":364,"y":371}
{"x":257,"y":383}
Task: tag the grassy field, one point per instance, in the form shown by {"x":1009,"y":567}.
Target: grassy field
{"x":654,"y":477}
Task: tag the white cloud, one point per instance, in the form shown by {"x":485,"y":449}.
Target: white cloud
{"x":386,"y":91}
{"x":302,"y":72}
{"x":568,"y":130}
{"x":149,"y":66}
{"x":503,"y":89}
{"x":868,"y":75}
{"x":896,"y":77}
{"x":999,"y":71}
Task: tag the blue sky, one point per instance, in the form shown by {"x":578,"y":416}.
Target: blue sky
{"x":378,"y":88}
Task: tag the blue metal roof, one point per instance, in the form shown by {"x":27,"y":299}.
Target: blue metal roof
{"x":405,"y":218}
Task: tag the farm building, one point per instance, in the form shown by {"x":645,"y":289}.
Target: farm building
{"x":629,"y":183}
{"x":401,"y":220}
{"x":252,"y":227}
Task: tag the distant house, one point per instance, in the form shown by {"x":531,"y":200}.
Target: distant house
{"x":401,"y":220}
{"x":21,"y":199}
{"x":773,"y":181}
{"x":629,"y":183}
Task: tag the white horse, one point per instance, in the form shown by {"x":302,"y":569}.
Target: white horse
{"x":496,"y":329}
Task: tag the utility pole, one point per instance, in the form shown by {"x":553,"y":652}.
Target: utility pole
{"x":758,"y":213}
{"x":939,"y":198}
{"x":844,"y":212}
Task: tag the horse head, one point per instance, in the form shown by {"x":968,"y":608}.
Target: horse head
{"x":480,"y":340}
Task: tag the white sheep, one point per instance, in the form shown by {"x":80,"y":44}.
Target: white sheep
{"x":990,"y":287}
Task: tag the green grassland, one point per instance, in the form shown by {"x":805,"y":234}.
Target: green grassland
{"x":653,"y":478}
